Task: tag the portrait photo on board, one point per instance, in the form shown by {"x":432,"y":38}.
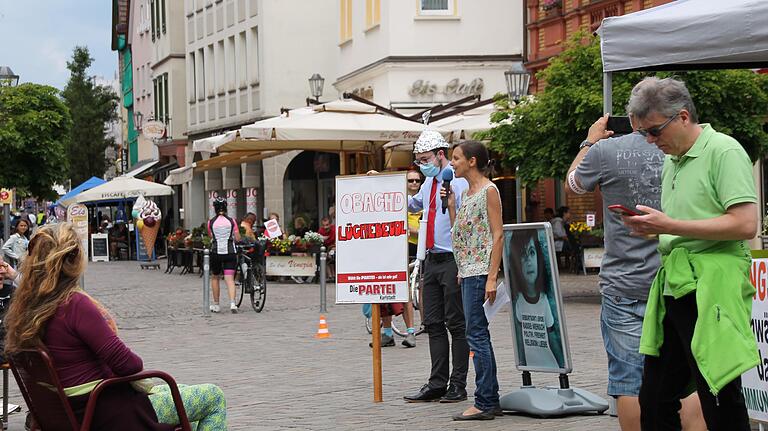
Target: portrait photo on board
{"x":530,"y":271}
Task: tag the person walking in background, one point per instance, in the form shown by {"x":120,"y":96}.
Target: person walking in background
{"x":628,"y":172}
{"x":697,"y":322}
{"x":443,"y":311}
{"x":477,"y":244}
{"x":15,"y":248}
{"x":560,"y":232}
{"x":223,"y":232}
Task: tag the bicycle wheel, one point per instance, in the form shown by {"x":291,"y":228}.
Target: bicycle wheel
{"x":239,"y":290}
{"x":259,"y":291}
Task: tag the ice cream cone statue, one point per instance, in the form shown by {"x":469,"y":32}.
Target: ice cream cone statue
{"x":148,"y":224}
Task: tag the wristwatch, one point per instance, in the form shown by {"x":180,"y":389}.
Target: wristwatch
{"x":585,"y":143}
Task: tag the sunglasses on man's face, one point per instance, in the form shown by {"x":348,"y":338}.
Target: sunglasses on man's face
{"x":414,"y":180}
{"x":655,"y":131}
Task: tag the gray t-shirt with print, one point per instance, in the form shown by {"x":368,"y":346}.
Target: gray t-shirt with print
{"x":628,"y":171}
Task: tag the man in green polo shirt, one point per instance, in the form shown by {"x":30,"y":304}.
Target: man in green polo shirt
{"x":696,"y":331}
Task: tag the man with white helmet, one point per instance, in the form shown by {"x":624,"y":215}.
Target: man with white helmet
{"x":442,"y":294}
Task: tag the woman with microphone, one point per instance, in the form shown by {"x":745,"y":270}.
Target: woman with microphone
{"x":477,"y":237}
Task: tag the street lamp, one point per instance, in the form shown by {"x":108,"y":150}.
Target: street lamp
{"x":518,"y":80}
{"x":7,"y":77}
{"x":137,"y":119}
{"x":10,"y":79}
{"x":316,"y":83}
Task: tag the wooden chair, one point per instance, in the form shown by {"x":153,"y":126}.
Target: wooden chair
{"x":44,"y":395}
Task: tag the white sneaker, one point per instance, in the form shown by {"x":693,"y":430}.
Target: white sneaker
{"x":233,"y":308}
{"x":215,"y":308}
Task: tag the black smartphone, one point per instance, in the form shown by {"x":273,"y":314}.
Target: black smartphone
{"x":619,"y":125}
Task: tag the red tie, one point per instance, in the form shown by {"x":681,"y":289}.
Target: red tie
{"x":431,"y":215}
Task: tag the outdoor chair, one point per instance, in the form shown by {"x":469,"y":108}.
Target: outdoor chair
{"x":44,"y":395}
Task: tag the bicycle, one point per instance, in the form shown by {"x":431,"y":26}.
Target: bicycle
{"x":253,"y":274}
{"x":415,"y":281}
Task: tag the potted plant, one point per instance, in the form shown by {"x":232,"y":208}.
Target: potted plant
{"x":198,"y":234}
{"x":314,"y":241}
{"x":551,"y":7}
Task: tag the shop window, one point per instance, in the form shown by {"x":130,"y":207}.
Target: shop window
{"x":436,"y":7}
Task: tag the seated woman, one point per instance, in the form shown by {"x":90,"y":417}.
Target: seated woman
{"x":118,"y":238}
{"x":51,"y":310}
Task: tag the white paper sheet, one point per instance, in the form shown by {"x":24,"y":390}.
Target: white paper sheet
{"x":502,"y":299}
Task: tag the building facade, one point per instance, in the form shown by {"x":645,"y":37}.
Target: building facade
{"x":140,"y":40}
{"x":245,"y":60}
{"x":414,"y":54}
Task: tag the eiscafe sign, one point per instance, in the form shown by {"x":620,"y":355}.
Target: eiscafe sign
{"x":453,"y":88}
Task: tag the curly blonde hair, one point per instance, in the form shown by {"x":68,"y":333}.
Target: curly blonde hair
{"x":50,"y":275}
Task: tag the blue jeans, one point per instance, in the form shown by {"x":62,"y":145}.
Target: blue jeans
{"x":479,"y":339}
{"x":621,"y":322}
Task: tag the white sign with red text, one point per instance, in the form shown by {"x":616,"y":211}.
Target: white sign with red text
{"x":754,"y":383}
{"x":371,"y":239}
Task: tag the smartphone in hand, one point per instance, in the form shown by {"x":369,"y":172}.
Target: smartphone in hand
{"x":619,"y":125}
{"x":624,"y":211}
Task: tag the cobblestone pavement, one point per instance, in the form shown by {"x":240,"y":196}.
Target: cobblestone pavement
{"x":277,"y":376}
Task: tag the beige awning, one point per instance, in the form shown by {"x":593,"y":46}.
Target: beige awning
{"x":212,"y":143}
{"x":180,"y":175}
{"x":233,"y":159}
{"x":463,"y":126}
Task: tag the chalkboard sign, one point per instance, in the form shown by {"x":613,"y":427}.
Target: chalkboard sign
{"x":141,"y":249}
{"x":99,"y":247}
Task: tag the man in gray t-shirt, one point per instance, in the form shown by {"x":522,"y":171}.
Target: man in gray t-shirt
{"x":628,"y":171}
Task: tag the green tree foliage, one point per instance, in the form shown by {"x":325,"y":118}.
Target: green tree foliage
{"x":34,"y":133}
{"x":542,"y":134}
{"x":92,"y":107}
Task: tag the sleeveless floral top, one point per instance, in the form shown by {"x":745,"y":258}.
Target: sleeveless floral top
{"x":471,"y":234}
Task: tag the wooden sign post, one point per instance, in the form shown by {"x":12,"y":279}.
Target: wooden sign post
{"x":378,"y":392}
{"x":372,"y":249}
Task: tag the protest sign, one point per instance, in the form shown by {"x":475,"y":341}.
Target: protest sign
{"x":371,"y":239}
{"x":754,"y":383}
{"x":538,"y":320}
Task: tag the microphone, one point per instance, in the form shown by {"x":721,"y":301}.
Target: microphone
{"x":447,"y":177}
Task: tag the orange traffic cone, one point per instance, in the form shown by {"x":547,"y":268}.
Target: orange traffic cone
{"x":322,"y":328}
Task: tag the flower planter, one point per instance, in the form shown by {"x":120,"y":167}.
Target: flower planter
{"x":555,"y":11}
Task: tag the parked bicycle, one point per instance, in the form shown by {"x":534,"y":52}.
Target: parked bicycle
{"x":251,"y":264}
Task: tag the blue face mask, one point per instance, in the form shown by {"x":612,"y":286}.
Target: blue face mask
{"x":429,"y":170}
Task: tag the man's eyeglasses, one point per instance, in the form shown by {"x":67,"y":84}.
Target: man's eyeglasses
{"x":412,"y":180}
{"x":424,"y":160}
{"x":655,"y":131}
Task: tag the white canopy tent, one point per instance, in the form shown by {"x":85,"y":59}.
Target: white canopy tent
{"x":123,"y":187}
{"x":685,"y":35}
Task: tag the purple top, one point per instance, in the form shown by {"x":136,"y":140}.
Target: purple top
{"x":83,"y":346}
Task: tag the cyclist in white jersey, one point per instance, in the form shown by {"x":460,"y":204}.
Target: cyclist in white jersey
{"x":223,"y":232}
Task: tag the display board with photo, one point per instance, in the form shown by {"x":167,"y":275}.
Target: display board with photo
{"x":537,"y":317}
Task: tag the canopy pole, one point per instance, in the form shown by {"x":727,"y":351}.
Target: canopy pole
{"x":607,"y":93}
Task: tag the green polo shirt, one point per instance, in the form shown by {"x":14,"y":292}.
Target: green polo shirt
{"x":714,"y":174}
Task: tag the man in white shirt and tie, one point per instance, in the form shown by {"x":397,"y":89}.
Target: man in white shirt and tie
{"x":442,"y":312}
